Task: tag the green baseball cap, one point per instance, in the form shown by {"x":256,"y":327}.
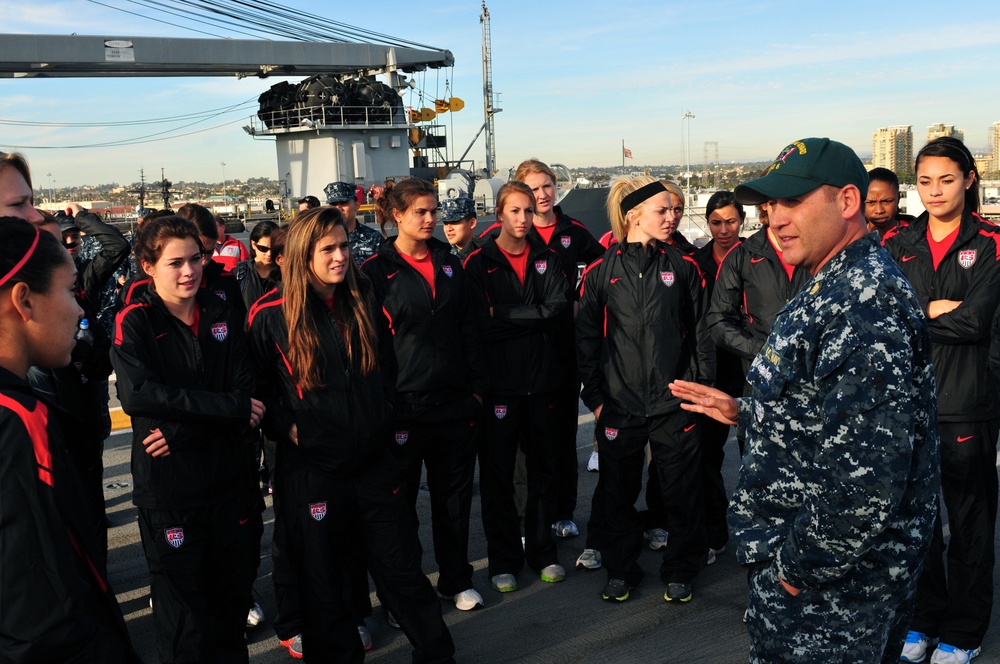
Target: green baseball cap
{"x":803,"y":166}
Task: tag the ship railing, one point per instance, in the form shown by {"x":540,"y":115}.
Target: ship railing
{"x":330,"y":116}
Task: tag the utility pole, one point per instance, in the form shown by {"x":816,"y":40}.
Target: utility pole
{"x":688,"y":115}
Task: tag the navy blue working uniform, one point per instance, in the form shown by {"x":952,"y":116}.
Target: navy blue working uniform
{"x":838,"y":488}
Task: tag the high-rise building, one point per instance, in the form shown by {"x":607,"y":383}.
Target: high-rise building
{"x":995,"y":147}
{"x":892,"y":148}
{"x":938,"y":130}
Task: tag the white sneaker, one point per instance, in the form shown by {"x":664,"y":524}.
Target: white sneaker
{"x":946,"y":654}
{"x":565,"y":529}
{"x":469,"y":599}
{"x":255,"y":616}
{"x":504,"y":583}
{"x":589,"y":559}
{"x":657,"y":538}
{"x":592,"y":462}
{"x":915,"y":647}
{"x":553,"y":573}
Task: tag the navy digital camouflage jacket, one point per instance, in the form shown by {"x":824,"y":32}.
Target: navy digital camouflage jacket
{"x":841,"y":476}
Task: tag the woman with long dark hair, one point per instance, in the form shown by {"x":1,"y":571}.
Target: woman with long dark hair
{"x":952,"y":258}
{"x":423,"y":291}
{"x":325,"y":370}
{"x":184,"y":378}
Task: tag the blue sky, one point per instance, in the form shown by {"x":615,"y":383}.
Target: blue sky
{"x":575,"y":79}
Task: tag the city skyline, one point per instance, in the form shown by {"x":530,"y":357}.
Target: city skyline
{"x":572,"y":88}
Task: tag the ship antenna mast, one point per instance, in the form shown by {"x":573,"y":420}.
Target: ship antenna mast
{"x":488,"y":100}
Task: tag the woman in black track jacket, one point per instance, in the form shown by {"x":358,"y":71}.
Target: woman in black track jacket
{"x":57,"y":605}
{"x":636,"y":331}
{"x":184,"y":378}
{"x":423,"y":292}
{"x":520,"y":288}
{"x":952,"y":259}
{"x":325,"y":370}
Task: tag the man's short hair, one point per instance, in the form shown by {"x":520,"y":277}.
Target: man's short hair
{"x":884,"y":175}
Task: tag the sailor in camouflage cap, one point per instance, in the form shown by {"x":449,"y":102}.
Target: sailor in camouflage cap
{"x":363,"y":240}
{"x":837,"y":493}
{"x":458,"y":219}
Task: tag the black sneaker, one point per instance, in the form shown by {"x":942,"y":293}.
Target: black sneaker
{"x":678,"y":592}
{"x":616,"y":590}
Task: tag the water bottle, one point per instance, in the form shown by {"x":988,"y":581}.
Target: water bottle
{"x":84,"y":345}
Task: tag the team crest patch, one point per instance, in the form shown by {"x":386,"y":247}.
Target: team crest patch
{"x":667,"y":278}
{"x":221,"y":294}
{"x":967,"y":258}
{"x":447,"y":270}
{"x":175,"y":537}
{"x":610,"y":433}
{"x":541,"y":266}
{"x":220,"y":331}
{"x":500,"y":412}
{"x":402,"y":437}
{"x":317,"y":510}
{"x":565,"y":241}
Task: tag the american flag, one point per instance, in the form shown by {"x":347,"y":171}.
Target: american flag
{"x":628,"y":153}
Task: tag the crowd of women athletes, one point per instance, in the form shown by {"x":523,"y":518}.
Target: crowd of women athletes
{"x":362,"y":374}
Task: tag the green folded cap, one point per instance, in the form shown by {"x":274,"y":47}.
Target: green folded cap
{"x":803,"y":166}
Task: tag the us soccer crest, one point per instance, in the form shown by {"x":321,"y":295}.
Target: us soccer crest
{"x":220,"y":331}
{"x":221,"y":294}
{"x":447,"y":270}
{"x":967,"y":258}
{"x":610,"y":433}
{"x":317,"y":511}
{"x":565,"y":241}
{"x":667,"y":278}
{"x":175,"y":537}
{"x":500,"y":412}
{"x":541,"y":266}
{"x":402,"y":437}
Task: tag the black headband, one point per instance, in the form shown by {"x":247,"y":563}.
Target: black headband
{"x":641,"y":194}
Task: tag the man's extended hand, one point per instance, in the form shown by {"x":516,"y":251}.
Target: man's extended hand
{"x":706,"y":400}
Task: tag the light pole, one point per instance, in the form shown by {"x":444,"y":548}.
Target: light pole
{"x":50,"y":189}
{"x":223,"y":164}
{"x":688,"y":115}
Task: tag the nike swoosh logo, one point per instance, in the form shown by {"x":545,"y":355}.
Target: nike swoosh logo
{"x":756,"y":260}
{"x":390,"y":276}
{"x":396,"y":490}
{"x":963,"y":439}
{"x":243,"y":521}
{"x":491,"y":270}
{"x":686,"y":429}
{"x":616,"y":280}
{"x":908,"y":258}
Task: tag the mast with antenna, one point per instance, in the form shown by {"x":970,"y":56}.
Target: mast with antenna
{"x":488,"y":100}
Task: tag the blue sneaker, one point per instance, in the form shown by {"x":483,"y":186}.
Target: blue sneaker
{"x":915,"y":647}
{"x":946,"y":654}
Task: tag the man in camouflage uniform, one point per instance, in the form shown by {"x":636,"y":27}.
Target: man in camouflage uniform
{"x":838,"y":490}
{"x":362,"y":240}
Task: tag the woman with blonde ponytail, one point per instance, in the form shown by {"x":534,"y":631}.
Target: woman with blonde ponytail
{"x":636,"y":331}
{"x":326,"y":369}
